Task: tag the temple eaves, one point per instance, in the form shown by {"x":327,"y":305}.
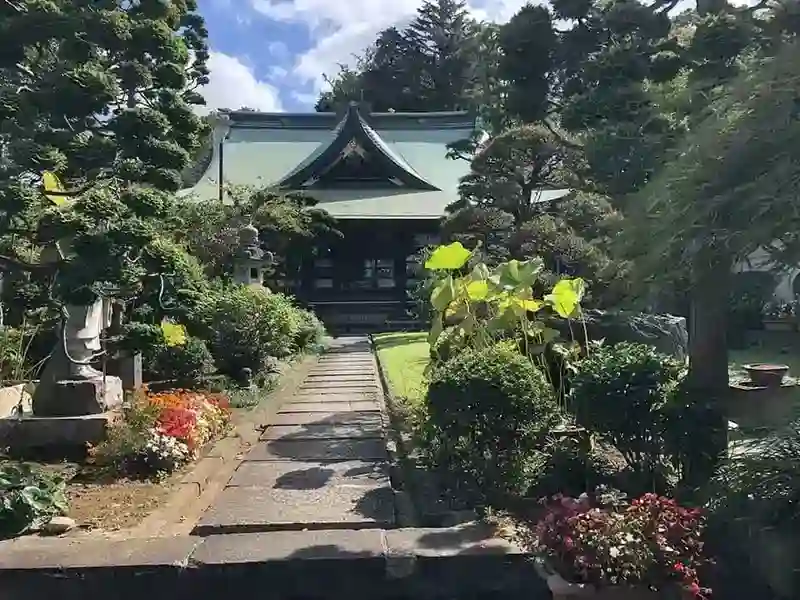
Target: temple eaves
{"x":353,"y":135}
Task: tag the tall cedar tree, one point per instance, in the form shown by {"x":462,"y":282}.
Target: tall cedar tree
{"x":431,"y":65}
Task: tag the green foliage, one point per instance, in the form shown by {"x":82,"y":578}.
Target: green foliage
{"x":753,"y":499}
{"x":187,"y":362}
{"x":566,"y":466}
{"x":12,"y":354}
{"x":290,"y":226}
{"x":528,"y":43}
{"x":248,"y":328}
{"x":488,"y":412}
{"x":310,"y":331}
{"x":630,"y":395}
{"x":127,"y":437}
{"x":29,"y":498}
{"x":485,"y":304}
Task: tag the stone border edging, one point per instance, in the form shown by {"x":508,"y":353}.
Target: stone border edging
{"x":329,"y":564}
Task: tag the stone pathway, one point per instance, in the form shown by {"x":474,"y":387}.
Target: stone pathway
{"x":321,"y":463}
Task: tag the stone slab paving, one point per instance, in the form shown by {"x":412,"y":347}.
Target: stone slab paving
{"x":321,"y":461}
{"x":323,"y":431}
{"x":320,"y":449}
{"x":371,"y":418}
{"x":312,"y":406}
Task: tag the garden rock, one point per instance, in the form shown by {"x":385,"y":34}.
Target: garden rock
{"x":667,"y":333}
{"x":58,"y":525}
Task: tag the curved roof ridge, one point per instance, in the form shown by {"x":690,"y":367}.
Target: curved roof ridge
{"x":353,"y":127}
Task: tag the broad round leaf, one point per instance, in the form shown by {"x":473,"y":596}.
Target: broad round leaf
{"x":566,"y":297}
{"x":447,"y":258}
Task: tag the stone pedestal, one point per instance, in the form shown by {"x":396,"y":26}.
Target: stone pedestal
{"x":53,"y":437}
{"x":77,"y":398}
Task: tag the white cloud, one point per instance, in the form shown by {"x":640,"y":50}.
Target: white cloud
{"x":233,"y":85}
{"x":342,"y":30}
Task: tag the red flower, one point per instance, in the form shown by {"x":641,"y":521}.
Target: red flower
{"x":178,"y":423}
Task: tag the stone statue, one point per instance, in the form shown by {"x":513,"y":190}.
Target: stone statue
{"x":69,"y":385}
{"x":81,"y":336}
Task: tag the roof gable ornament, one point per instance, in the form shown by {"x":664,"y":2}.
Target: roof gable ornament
{"x":354,"y":137}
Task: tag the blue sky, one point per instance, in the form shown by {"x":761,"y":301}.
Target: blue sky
{"x":271,"y":55}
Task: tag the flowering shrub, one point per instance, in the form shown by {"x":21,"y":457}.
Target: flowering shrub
{"x":653,"y":542}
{"x":161,"y":432}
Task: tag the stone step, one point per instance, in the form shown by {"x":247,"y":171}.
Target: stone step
{"x":252,"y":509}
{"x":317,"y":398}
{"x":319,"y":449}
{"x":328,"y":407}
{"x":309,"y":475}
{"x":323,"y":431}
{"x":371,"y":418}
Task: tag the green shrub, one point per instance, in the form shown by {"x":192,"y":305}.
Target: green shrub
{"x":12,"y":354}
{"x":248,"y":328}
{"x":190,"y":361}
{"x":754,"y":517}
{"x":487,"y":416}
{"x":566,"y":466}
{"x":627,"y":393}
{"x":187,"y":362}
{"x":310,"y":333}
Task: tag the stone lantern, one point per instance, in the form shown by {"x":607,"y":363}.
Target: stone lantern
{"x":250,"y":260}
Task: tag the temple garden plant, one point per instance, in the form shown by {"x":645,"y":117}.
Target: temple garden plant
{"x":29,"y":498}
{"x":161,"y":432}
{"x":633,"y":397}
{"x":606,"y":548}
{"x":478,"y":307}
{"x":488,"y":412}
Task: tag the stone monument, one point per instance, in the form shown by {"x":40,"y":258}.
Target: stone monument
{"x":70,"y":386}
{"x":250,"y":259}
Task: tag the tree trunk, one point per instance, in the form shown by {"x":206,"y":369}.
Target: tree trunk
{"x":708,"y":351}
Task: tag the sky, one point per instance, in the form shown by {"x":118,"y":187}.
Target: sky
{"x":272,"y":55}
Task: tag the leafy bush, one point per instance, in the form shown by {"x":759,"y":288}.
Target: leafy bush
{"x":629,"y":394}
{"x":310,"y":333}
{"x":568,"y":467}
{"x":754,"y":498}
{"x":247,"y":328}
{"x":186,"y":362}
{"x":29,"y":498}
{"x":488,"y":412}
{"x":12,"y":353}
{"x":189,"y":361}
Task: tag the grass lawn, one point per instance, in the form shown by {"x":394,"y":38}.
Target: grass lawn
{"x":404,"y":357}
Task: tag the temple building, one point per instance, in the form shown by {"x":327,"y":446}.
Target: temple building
{"x":385,"y":177}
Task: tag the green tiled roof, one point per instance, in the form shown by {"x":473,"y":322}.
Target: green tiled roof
{"x":266,"y":148}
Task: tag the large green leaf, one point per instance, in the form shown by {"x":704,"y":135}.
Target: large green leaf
{"x":448,"y":258}
{"x":566,"y":297}
{"x":443,"y":294}
{"x":437,"y":328}
{"x":478,"y":290}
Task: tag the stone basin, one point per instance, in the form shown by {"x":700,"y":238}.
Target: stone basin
{"x":766,"y":374}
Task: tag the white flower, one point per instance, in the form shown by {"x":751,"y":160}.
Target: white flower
{"x":614,"y":552}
